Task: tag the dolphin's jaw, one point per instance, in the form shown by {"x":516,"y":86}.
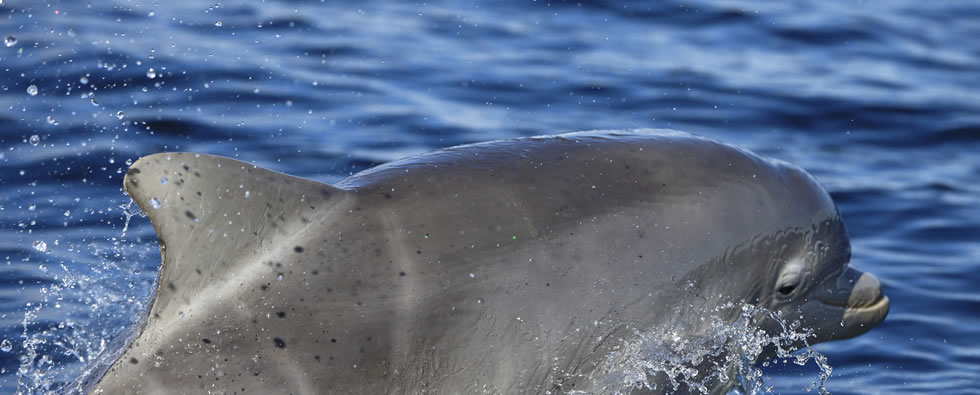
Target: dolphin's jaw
{"x":870,"y":315}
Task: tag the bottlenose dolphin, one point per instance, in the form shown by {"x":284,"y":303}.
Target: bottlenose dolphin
{"x":511,"y":266}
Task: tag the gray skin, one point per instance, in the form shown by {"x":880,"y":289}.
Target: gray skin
{"x":512,"y":266}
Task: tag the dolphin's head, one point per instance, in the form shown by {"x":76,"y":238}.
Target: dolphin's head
{"x":816,"y":285}
{"x":810,"y":277}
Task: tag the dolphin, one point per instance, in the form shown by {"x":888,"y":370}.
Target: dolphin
{"x":513,"y":266}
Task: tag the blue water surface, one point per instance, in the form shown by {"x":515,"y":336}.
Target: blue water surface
{"x":879,"y":100}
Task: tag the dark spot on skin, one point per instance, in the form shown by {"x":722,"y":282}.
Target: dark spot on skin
{"x":333,"y":340}
{"x":190,"y":215}
{"x":171,"y":286}
{"x":206,"y":341}
{"x":279,"y":343}
{"x":198,"y":271}
{"x":418,"y":251}
{"x":315,"y":272}
{"x":547,"y":284}
{"x":387,"y":196}
{"x":265,"y":287}
{"x":281,"y":314}
{"x":134,"y":361}
{"x":198,"y":193}
{"x":305,"y":220}
{"x":298,"y":249}
{"x":316,"y":357}
{"x":134,"y":182}
{"x":133,"y":170}
{"x":196,"y":174}
{"x":329,"y":290}
{"x":401,"y":274}
{"x":186,"y":168}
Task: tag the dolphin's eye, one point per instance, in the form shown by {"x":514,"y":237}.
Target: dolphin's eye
{"x":791,"y":277}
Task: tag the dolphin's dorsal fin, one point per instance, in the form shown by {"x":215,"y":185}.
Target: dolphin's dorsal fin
{"x":211,"y":213}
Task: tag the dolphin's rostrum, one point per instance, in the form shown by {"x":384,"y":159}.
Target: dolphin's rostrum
{"x":511,"y":266}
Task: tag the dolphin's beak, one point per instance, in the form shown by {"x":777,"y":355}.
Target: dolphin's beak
{"x":847,"y":307}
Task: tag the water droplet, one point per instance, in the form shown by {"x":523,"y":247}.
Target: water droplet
{"x":40,"y":246}
{"x":279,"y":277}
{"x":472,"y":275}
{"x":6,"y":346}
{"x":218,"y":24}
{"x":10,"y":41}
{"x":129,"y":162}
{"x":479,"y":301}
{"x":151,"y":74}
{"x":32,"y":90}
{"x":67,"y":213}
{"x":32,"y":207}
{"x":83,"y":80}
{"x":247,"y":194}
{"x":52,"y":121}
{"x":120,"y":115}
{"x":164,"y":180}
{"x":154,"y":203}
{"x":35,"y":140}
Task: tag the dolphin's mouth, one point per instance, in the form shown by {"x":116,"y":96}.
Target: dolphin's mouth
{"x":881,"y":304}
{"x":854,"y":303}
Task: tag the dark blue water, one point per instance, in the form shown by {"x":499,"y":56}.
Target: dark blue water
{"x":879,"y":100}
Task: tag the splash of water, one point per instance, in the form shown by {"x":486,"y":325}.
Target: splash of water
{"x":128,"y":212}
{"x":84,"y":291}
{"x":730,"y":356}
